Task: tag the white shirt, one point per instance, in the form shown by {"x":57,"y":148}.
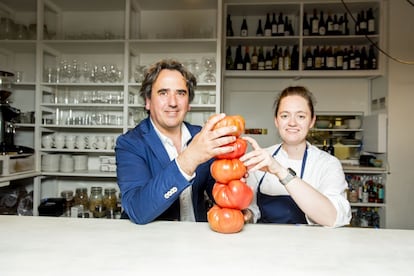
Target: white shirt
{"x":322,"y":171}
{"x":186,"y":202}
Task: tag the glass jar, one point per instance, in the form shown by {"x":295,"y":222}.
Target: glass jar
{"x":96,"y":199}
{"x":110,"y":199}
{"x":81,"y":198}
{"x":68,"y":196}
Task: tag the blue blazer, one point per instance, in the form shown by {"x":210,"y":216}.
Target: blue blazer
{"x":150,"y":183}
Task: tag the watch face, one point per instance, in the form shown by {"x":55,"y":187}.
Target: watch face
{"x":292,"y":172}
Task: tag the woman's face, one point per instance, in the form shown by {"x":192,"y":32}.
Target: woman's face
{"x":294,"y":120}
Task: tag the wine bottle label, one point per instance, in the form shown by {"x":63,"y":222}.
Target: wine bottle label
{"x":248,"y":67}
{"x":268,"y":32}
{"x":261,"y":65}
{"x":330,"y":62}
{"x":339,"y":61}
{"x":322,"y":30}
{"x":371,"y":26}
{"x":268,"y":65}
{"x":315,"y":26}
{"x":239,"y":66}
{"x":243,"y":32}
{"x":281,"y":29}
{"x":305,"y":32}
{"x":318,"y":62}
{"x":274,"y":29}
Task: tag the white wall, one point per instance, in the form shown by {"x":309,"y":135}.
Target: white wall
{"x":400,"y":182}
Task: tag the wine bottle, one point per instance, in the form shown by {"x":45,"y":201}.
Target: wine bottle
{"x":324,"y":145}
{"x":268,"y":61}
{"x":345,"y":64}
{"x":229,"y":59}
{"x":357,"y":58}
{"x":287,"y":60}
{"x":229,"y":27}
{"x":341,"y":25}
{"x":321,"y":26}
{"x":268,"y":26}
{"x":335,"y":25}
{"x":331,"y":149}
{"x":244,"y":30}
{"x":295,"y":58}
{"x":280,"y":25}
{"x":314,"y":23}
{"x":308,"y":59}
{"x":330,"y":59}
{"x":329,"y":25}
{"x":259,"y":31}
{"x":254,"y":60}
{"x":371,"y":21}
{"x":280,"y":59}
{"x":317,"y":58}
{"x":238,"y":60}
{"x":363,"y":28}
{"x":372,"y":58}
{"x":286,"y":26}
{"x":305,"y":25}
{"x":261,"y":59}
{"x":346,"y":27}
{"x":274,"y":58}
{"x":364,"y":58}
{"x":357,"y":27}
{"x":274,"y":25}
{"x":323,"y":58}
{"x":351,"y":55}
{"x":339,"y":56}
{"x":246,"y":61}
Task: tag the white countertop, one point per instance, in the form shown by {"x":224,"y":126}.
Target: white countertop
{"x":64,"y":246}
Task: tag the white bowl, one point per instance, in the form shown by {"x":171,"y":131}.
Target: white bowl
{"x":353,"y":123}
{"x":322,"y":123}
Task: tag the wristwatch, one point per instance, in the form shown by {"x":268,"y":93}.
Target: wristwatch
{"x":290,"y":176}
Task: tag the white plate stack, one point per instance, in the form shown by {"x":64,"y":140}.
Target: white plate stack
{"x":80,"y":162}
{"x":50,"y":162}
{"x":66,"y":163}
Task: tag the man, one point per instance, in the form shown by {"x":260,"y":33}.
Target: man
{"x":163,"y":164}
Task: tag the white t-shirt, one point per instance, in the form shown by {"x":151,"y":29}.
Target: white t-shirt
{"x":322,"y":171}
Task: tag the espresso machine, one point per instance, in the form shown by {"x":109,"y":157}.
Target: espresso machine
{"x":8,"y":114}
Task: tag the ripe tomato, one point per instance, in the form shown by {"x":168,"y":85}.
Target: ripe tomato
{"x":225,"y":170}
{"x":240,"y":146}
{"x":236,"y":194}
{"x":225,"y":220}
{"x":235,"y":120}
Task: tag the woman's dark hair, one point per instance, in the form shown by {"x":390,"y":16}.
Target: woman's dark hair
{"x":298,"y":91}
{"x":152,"y":73}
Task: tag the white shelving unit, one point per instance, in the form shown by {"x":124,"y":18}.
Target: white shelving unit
{"x":115,"y":38}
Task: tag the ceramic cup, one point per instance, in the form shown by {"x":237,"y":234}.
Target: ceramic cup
{"x":99,"y":144}
{"x":80,"y":142}
{"x":109,"y":140}
{"x":59,"y":141}
{"x":47,"y":141}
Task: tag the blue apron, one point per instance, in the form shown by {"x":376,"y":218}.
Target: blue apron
{"x":282,"y":208}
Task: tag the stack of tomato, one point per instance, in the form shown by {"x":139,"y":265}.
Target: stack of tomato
{"x":231,"y":195}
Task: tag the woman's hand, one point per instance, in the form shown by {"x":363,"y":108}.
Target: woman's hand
{"x":259,"y":159}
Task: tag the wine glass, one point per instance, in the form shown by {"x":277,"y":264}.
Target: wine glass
{"x":210,"y":67}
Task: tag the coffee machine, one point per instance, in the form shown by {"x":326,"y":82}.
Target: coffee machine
{"x":7,"y":117}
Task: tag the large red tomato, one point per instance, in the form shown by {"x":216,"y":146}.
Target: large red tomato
{"x":225,"y":170}
{"x":240,"y":146}
{"x":236,"y":194}
{"x":235,"y":120}
{"x":225,"y":220}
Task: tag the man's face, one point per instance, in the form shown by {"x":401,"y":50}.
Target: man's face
{"x":169,"y":101}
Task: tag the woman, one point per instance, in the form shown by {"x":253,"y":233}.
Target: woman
{"x":295,"y":182}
